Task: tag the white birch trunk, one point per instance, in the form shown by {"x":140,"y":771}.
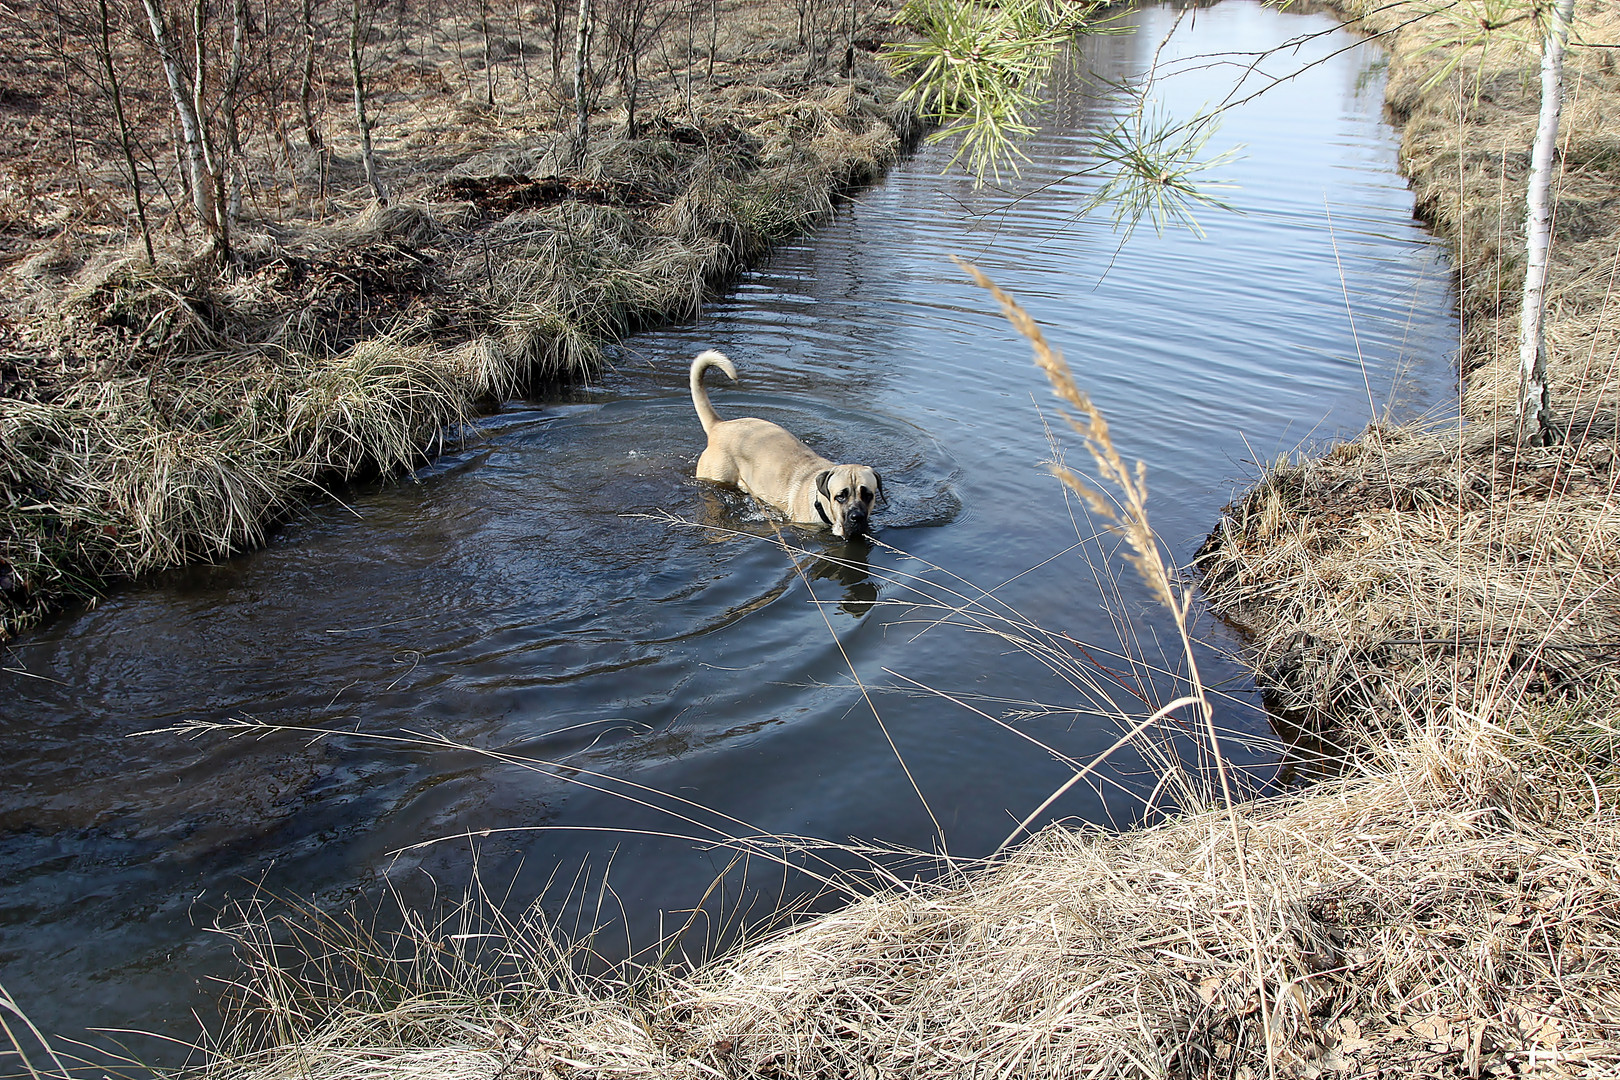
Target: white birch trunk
{"x":582,"y":78}
{"x":1535,"y":415}
{"x":212,"y":161}
{"x":190,"y":130}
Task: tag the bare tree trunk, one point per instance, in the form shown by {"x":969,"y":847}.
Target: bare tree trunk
{"x":367,"y":158}
{"x":202,"y":190}
{"x":582,"y":78}
{"x":123,"y":134}
{"x":849,"y":42}
{"x":212,"y":159}
{"x":489,"y":60}
{"x":559,"y":8}
{"x":630,"y":83}
{"x":306,"y":79}
{"x":523,"y":50}
{"x":233,"y":88}
{"x":1535,"y":413}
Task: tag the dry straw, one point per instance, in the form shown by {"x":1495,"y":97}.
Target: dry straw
{"x":189,"y":407}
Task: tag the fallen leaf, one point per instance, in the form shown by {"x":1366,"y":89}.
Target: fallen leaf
{"x":1432,"y":1029}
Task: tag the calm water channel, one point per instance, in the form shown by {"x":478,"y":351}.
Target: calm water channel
{"x":526,"y":594}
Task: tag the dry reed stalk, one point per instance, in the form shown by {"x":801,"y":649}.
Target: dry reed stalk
{"x":1453,"y":912}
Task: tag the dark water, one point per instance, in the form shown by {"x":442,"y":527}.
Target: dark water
{"x":526,"y":593}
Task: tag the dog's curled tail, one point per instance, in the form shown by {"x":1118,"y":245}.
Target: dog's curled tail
{"x":707,"y":359}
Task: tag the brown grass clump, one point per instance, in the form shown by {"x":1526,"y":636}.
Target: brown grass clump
{"x":153,"y":414}
{"x":1417,"y":921}
{"x":1413,"y":571}
{"x":1410,"y":572}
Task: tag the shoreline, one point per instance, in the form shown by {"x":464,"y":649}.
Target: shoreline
{"x":153,"y":415}
{"x":1447,"y":905}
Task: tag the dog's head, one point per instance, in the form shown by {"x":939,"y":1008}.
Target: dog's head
{"x":844,"y":497}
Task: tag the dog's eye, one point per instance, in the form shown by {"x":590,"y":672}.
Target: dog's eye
{"x":842,"y":496}
{"x":866,"y":494}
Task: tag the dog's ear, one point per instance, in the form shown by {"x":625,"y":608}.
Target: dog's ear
{"x":879,"y":477}
{"x":821,"y":483}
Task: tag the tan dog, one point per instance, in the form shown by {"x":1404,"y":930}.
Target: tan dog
{"x":765,"y":461}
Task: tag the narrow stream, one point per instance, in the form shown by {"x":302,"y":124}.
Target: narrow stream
{"x":560,"y":588}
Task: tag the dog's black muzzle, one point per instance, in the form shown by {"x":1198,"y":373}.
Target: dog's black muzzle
{"x":854,"y":523}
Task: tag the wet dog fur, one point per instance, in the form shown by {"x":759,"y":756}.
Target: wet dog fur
{"x":767,"y":462}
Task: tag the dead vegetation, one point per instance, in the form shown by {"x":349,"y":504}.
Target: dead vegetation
{"x":156,"y":412}
{"x":1451,"y":910}
{"x":1416,"y":570}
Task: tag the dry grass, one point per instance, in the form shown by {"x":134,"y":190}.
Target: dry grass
{"x":1414,"y":571}
{"x":1451,"y":910}
{"x":157,"y":414}
{"x":1418,"y":570}
{"x":1422,"y":920}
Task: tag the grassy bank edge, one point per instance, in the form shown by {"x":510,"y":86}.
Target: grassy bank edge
{"x":211,"y":405}
{"x":1448,"y":905}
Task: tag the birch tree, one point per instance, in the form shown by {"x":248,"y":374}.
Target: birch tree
{"x":367,"y":158}
{"x":1536,"y":425}
{"x":213,"y":160}
{"x":583,"y":78}
{"x":203,"y":189}
{"x":233,"y":91}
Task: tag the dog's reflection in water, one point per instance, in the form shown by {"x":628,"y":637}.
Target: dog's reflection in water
{"x":843,"y":562}
{"x":846,"y":564}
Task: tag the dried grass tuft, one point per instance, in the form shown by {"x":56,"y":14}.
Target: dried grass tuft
{"x":181,"y":408}
{"x":1454,"y":912}
{"x":1415,"y":570}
